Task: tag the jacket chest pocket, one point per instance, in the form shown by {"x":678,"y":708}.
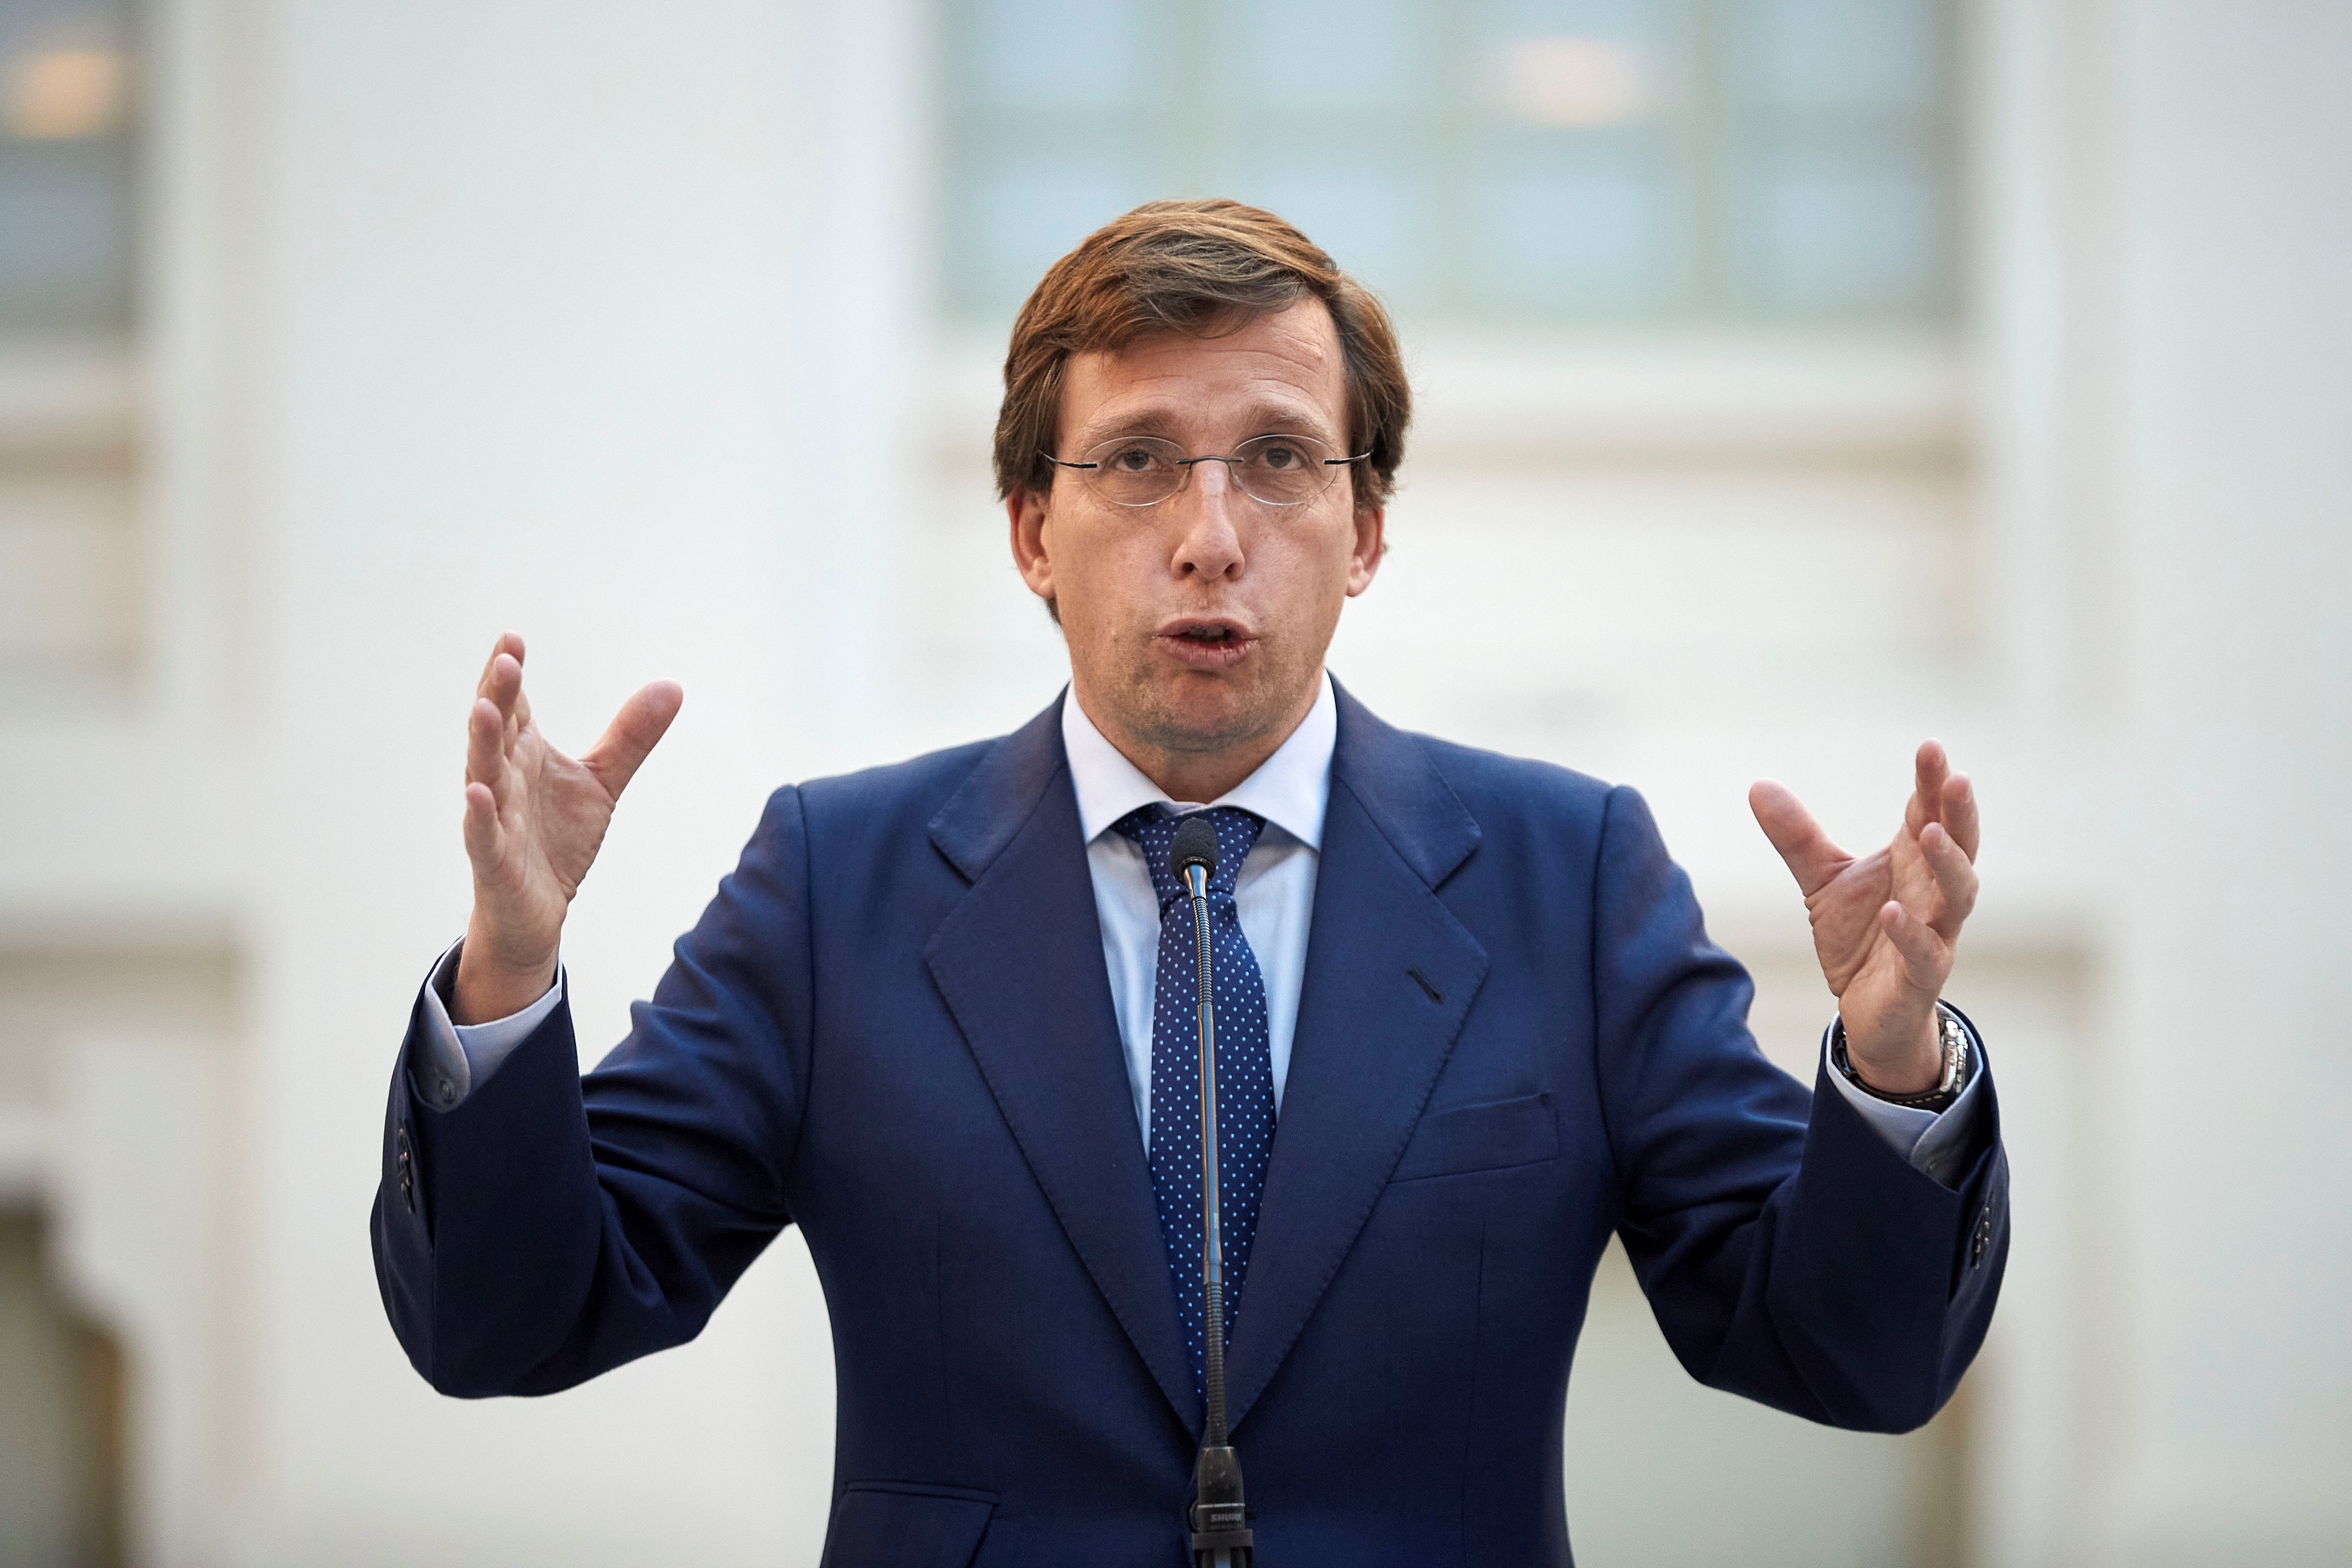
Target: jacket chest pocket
{"x":906,"y":1525}
{"x":1492,"y":1136}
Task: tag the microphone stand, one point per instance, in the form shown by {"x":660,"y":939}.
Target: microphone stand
{"x":1218,"y":1519}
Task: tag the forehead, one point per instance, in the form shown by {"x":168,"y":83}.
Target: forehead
{"x":1284,"y":366}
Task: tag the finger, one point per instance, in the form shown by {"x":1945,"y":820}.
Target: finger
{"x":502,"y":684}
{"x":1960,"y":813}
{"x":1809,"y":853}
{"x":509,"y":644}
{"x":517,"y":710}
{"x":485,"y":752}
{"x":1927,"y":960}
{"x":501,"y":688}
{"x":642,"y":721}
{"x":482,"y":829}
{"x":505,"y":683}
{"x":1955,"y":878}
{"x":1929,"y":766}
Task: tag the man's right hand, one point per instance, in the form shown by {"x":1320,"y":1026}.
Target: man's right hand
{"x":534,"y":820}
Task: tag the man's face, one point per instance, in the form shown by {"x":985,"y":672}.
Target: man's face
{"x":1200,"y":623}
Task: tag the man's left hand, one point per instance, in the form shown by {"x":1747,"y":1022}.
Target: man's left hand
{"x":1884,"y":924}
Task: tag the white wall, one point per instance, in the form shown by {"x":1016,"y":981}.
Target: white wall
{"x":535,"y":367}
{"x":2234,"y":563}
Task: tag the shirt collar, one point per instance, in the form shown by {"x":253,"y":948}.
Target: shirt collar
{"x":1290,"y":789}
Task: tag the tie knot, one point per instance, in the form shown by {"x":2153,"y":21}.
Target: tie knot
{"x":1154,"y":832}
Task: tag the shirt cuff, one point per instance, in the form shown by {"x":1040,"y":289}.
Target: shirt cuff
{"x":1938,"y":1143}
{"x":457,"y":1059}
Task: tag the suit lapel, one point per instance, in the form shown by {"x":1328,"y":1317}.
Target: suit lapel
{"x":1018,"y":963}
{"x":1371,"y":1038}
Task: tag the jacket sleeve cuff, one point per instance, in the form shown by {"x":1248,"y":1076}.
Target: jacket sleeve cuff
{"x":1939,"y":1144}
{"x":453,"y":1060}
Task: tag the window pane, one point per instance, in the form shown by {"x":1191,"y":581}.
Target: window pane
{"x":65,"y":167}
{"x":1654,"y":160}
{"x":1845,"y":233}
{"x":1582,"y":62}
{"x":1587,"y":235}
{"x":1022,"y":215}
{"x":1842,"y":53}
{"x":1292,"y":55}
{"x":1063,"y":54}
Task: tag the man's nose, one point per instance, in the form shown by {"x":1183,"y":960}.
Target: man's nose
{"x":1208,"y":509}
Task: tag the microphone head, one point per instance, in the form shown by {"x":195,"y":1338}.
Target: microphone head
{"x":1196,"y":845}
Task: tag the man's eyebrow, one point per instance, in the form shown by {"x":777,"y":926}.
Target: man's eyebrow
{"x":1265,"y":416}
{"x":1152,"y":420}
{"x":1260,"y":417}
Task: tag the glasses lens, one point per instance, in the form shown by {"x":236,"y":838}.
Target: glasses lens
{"x":1283,"y":470}
{"x":1135,"y":470}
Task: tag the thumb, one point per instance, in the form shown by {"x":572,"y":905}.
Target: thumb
{"x":1809,"y":853}
{"x":635,"y":730}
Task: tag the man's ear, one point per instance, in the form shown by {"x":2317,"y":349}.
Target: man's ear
{"x":1371,"y":544}
{"x":1024,"y":508}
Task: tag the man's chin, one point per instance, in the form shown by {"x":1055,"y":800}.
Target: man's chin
{"x":1197,"y":716}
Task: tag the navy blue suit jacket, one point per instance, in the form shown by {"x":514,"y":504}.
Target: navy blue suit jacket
{"x":893,"y":1027}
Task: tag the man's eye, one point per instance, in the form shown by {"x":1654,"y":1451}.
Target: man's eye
{"x":1280,"y":457}
{"x":1135,"y":460}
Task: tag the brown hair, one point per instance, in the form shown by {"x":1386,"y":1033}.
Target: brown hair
{"x":1196,"y":267}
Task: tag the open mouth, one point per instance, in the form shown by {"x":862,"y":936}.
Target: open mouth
{"x":1207,"y":644}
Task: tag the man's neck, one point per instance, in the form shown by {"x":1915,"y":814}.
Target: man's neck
{"x":1197,"y":777}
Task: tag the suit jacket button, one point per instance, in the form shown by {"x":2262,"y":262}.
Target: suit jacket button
{"x":403,"y":1167}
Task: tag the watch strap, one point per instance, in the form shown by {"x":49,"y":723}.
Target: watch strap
{"x":1959,"y":1064}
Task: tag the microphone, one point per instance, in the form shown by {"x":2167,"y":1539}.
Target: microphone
{"x":1218,"y":1519}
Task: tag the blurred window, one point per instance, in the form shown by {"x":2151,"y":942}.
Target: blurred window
{"x":65,"y":111}
{"x":1613,"y":161}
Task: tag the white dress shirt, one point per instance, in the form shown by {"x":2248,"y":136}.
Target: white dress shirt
{"x":1274,"y":895}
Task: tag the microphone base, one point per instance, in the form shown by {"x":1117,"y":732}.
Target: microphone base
{"x":1219,"y":1520}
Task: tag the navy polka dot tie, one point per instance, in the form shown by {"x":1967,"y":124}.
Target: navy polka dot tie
{"x":1244,"y":1069}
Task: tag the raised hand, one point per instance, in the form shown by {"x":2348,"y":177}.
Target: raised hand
{"x":1884,"y":925}
{"x":534,"y":820}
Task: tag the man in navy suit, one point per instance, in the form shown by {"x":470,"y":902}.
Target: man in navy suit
{"x":1471,"y":1025}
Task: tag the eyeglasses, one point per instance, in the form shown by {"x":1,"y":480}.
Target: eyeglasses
{"x":1144,"y":470}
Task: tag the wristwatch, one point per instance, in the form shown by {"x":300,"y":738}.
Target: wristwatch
{"x":1959,"y":1064}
